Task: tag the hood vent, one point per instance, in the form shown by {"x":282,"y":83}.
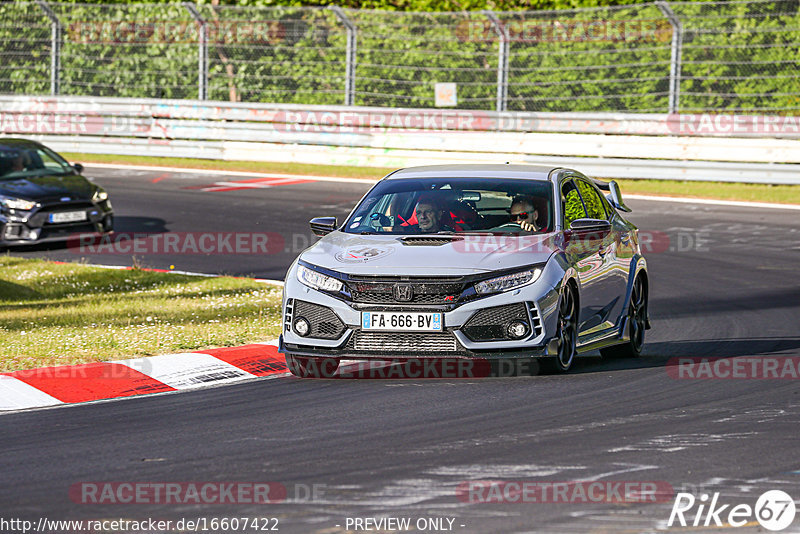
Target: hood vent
{"x":429,"y":241}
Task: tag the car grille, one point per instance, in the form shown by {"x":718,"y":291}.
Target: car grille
{"x":408,"y":343}
{"x":53,"y":207}
{"x":325,"y":324}
{"x":428,"y":241}
{"x":490,"y":324}
{"x":68,"y":229}
{"x":423,"y":292}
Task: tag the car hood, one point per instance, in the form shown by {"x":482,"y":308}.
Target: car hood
{"x":416,"y":256}
{"x":38,"y":188}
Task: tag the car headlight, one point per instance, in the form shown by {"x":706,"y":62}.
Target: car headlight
{"x":100,"y":195}
{"x":318,"y":280}
{"x":17,"y":203}
{"x":509,"y":281}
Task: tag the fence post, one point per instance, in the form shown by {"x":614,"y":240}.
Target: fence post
{"x":350,"y":58}
{"x":675,"y":56}
{"x":55,"y":48}
{"x":502,"y":60}
{"x":202,"y":62}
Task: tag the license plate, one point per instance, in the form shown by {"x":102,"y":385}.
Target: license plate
{"x":67,"y":216}
{"x":402,"y":321}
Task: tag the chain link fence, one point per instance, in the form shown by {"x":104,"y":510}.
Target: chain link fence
{"x":732,"y":56}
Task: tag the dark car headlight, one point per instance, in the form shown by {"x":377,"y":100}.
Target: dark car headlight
{"x":508,"y":281}
{"x":17,"y":203}
{"x":100,"y":195}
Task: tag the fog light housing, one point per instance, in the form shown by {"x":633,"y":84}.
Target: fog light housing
{"x":517,"y":329}
{"x":13,"y":231}
{"x":301,"y":327}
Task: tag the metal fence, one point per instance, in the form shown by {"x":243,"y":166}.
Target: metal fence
{"x":732,"y":56}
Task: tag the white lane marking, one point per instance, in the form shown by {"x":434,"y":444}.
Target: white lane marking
{"x":494,"y":471}
{"x":678,"y":442}
{"x":217,"y":172}
{"x":631,"y":469}
{"x":187,"y":370}
{"x":18,"y":395}
{"x":185,"y":170}
{"x":187,"y":273}
{"x":714,"y":202}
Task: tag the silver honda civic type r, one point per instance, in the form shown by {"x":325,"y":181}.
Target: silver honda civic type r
{"x":482,"y":262}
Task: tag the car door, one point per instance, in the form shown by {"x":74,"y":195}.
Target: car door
{"x":612,"y":274}
{"x":582,"y":249}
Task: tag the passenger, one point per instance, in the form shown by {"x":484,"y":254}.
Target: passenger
{"x":524,"y":213}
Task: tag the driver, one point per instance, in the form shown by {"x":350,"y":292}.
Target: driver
{"x":524,"y":213}
{"x":18,"y":163}
{"x":429,"y":216}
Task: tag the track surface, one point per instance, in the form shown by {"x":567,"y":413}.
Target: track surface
{"x":399,"y":448}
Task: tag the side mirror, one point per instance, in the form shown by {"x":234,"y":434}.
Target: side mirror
{"x":615,"y":197}
{"x":600,"y":226}
{"x":78,"y":168}
{"x":321,"y":226}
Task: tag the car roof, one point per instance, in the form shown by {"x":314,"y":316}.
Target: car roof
{"x":530,"y":172}
{"x":18,"y":142}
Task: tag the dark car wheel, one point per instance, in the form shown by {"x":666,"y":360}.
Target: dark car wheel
{"x":567,"y":333}
{"x":309,"y":367}
{"x":637,"y":323}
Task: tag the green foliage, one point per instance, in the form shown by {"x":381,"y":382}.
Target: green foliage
{"x":737,"y":56}
{"x":573,"y":207}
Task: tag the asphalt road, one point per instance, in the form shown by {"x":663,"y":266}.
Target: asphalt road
{"x":724,"y":283}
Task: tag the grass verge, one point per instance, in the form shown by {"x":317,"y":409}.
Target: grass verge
{"x":64,"y":314}
{"x":781,"y":194}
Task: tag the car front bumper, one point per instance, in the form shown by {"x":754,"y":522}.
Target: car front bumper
{"x":350,"y":341}
{"x":26,"y":228}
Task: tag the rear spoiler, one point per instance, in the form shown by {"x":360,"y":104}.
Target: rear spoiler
{"x":614,"y":195}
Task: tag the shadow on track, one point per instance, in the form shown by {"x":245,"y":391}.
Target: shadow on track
{"x":122,"y":225}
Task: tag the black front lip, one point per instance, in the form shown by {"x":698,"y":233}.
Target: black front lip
{"x":342,"y":354}
{"x":37,"y":218}
{"x":53,"y":239}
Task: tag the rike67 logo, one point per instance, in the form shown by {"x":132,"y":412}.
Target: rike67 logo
{"x":774,"y":510}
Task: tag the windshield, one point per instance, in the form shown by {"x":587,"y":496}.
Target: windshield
{"x":22,"y":162}
{"x":454,"y":205}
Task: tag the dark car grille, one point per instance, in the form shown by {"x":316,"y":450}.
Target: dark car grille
{"x":68,"y":229}
{"x":490,"y":324}
{"x":423,"y":292}
{"x":53,"y":207}
{"x":408,"y":343}
{"x":325,"y":324}
{"x":428,"y":241}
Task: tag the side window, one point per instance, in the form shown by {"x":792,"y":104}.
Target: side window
{"x":573,"y":205}
{"x":592,"y":200}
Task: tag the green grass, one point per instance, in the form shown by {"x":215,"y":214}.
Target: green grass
{"x":62,"y":314}
{"x":783,"y":194}
{"x":780,"y":194}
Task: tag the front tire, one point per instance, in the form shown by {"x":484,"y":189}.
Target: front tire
{"x":637,"y":323}
{"x":567,"y":334}
{"x":310,"y":367}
